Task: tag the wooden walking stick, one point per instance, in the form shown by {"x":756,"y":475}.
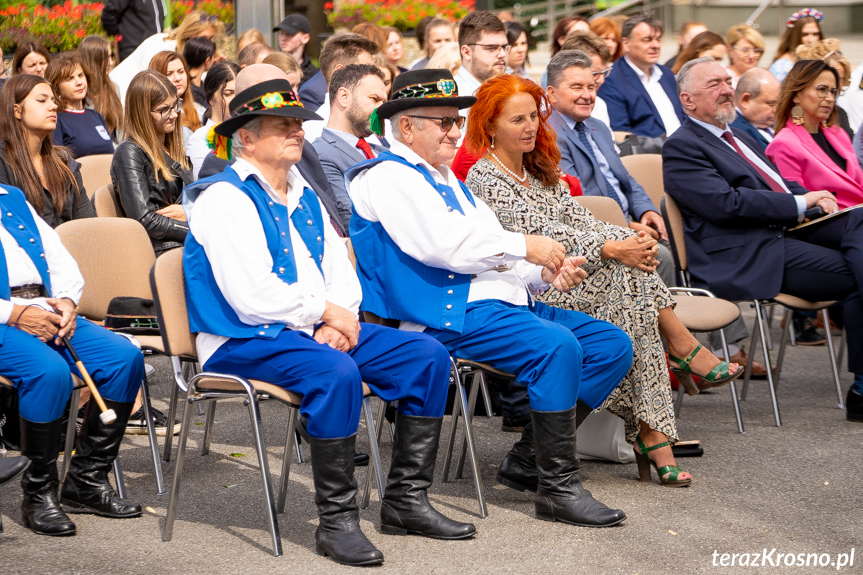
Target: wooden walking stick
{"x":108,"y":415}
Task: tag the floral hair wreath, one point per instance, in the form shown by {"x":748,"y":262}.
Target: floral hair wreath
{"x":817,"y":14}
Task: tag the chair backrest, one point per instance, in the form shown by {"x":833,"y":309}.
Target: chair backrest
{"x":620,"y":136}
{"x":647,"y":171}
{"x":674,"y":227}
{"x":107,"y":204}
{"x":169,"y":292}
{"x":114,"y":256}
{"x":95,"y":171}
{"x":604,"y":209}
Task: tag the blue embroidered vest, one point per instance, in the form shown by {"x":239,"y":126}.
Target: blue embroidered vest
{"x":209,"y":311}
{"x":18,"y":221}
{"x":395,"y":285}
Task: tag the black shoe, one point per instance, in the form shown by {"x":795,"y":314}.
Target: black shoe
{"x":514,"y":424}
{"x":40,"y":511}
{"x":338,"y":534}
{"x":560,"y":495}
{"x":854,"y":406}
{"x":137,"y":424}
{"x":86,"y":489}
{"x":11,"y":467}
{"x":518,"y":469}
{"x":805,"y":332}
{"x":406,"y":508}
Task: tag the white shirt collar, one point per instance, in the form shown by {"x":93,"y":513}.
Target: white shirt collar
{"x":655,"y":72}
{"x":469,"y":79}
{"x":715,"y":130}
{"x":296,"y":182}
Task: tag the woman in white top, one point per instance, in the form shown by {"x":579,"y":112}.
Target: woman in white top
{"x":219,"y":89}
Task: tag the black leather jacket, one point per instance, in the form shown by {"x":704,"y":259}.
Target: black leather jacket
{"x":142,"y":194}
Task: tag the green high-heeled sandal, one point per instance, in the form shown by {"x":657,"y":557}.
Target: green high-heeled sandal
{"x":717,"y":377}
{"x":645,"y":462}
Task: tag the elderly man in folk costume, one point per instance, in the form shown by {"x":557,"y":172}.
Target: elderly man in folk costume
{"x":273,"y":296}
{"x":435,"y":257}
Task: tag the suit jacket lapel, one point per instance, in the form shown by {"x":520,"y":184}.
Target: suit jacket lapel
{"x":353,"y":153}
{"x":635,"y":84}
{"x":812,"y":146}
{"x":720,"y":145}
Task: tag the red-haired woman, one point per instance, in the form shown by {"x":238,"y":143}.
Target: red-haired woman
{"x":518,"y":177}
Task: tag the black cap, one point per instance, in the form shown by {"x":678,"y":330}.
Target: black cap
{"x":294,"y":23}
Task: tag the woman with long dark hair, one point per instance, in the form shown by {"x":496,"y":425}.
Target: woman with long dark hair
{"x":517,"y":61}
{"x":704,"y":44}
{"x":199,"y":53}
{"x":803,"y":28}
{"x":49,"y":177}
{"x":219,"y":90}
{"x":95,"y":55}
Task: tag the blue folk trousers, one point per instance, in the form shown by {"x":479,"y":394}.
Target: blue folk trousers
{"x":561,"y":356}
{"x":41,"y":371}
{"x":409,"y":367}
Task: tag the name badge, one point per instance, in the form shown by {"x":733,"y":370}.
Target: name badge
{"x":104,"y":133}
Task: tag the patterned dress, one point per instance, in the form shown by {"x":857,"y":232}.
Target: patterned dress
{"x":624,"y":296}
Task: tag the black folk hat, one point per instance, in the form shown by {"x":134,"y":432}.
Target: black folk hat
{"x":270,"y":98}
{"x":422,"y":88}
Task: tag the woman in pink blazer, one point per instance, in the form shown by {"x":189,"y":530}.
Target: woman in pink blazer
{"x":810,"y":147}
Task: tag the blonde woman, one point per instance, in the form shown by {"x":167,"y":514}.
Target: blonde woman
{"x":745,"y":49}
{"x":195,"y":25}
{"x":150,"y":168}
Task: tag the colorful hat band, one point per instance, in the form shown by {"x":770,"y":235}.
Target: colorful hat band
{"x":269,"y":102}
{"x":444,"y":88}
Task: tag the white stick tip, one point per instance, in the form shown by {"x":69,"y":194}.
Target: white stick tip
{"x":108,"y":417}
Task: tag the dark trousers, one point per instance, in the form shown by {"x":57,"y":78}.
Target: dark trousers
{"x":825,"y":262}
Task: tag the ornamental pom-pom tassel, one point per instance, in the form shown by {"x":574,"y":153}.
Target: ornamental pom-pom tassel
{"x":377,"y":124}
{"x":220,"y":145}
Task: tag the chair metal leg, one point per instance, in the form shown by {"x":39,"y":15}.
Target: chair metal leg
{"x":678,"y":403}
{"x":756,"y":339}
{"x":172,"y":410}
{"x":168,"y":530}
{"x":208,"y":428}
{"x":286,"y":460}
{"x":842,"y":345}
{"x":118,"y":478}
{"x":474,"y":458}
{"x":151,"y":431}
{"x":1,"y":523}
{"x":475,"y":386}
{"x":455,"y":376}
{"x":833,"y":364}
{"x":783,"y":347}
{"x":762,"y":327}
{"x":732,"y":386}
{"x":71,"y":432}
{"x":260,"y":447}
{"x":375,"y":470}
{"x":299,"y":447}
{"x":486,"y":398}
{"x":768,"y":314}
{"x":379,"y":429}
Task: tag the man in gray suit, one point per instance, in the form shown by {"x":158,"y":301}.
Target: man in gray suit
{"x":355,"y":92}
{"x":587,"y":151}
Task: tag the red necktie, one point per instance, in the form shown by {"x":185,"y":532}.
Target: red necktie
{"x":774,"y":185}
{"x":367,"y":150}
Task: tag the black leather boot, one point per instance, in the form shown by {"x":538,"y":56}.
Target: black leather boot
{"x":518,"y":469}
{"x":86,"y":489}
{"x":338,"y":534}
{"x":10,"y":467}
{"x":39,"y":509}
{"x":560,"y":495}
{"x":406,"y":508}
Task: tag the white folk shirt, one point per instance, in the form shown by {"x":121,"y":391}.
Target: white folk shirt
{"x":66,"y":279}
{"x":225,"y":221}
{"x":657,"y":94}
{"x":467,"y":86}
{"x":418,"y":221}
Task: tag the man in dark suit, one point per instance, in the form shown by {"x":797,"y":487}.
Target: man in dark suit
{"x":587,"y":150}
{"x":640,"y":93}
{"x":756,"y":96}
{"x":737,"y":210}
{"x":355,"y":92}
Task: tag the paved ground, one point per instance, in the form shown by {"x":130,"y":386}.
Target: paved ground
{"x":794,"y":488}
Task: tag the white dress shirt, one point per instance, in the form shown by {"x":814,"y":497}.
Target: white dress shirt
{"x":66,"y":279}
{"x":422,"y":225}
{"x":225,"y":221}
{"x":657,"y":94}
{"x":600,"y":112}
{"x":769,"y":170}
{"x":467,"y":86}
{"x":198,"y":150}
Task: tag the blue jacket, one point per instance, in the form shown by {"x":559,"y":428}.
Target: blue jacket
{"x":209,"y":311}
{"x":395,"y":285}
{"x":19,"y":222}
{"x":745,"y":125}
{"x":575,"y":160}
{"x":629,"y":105}
{"x":733,"y":223}
{"x":313,"y":91}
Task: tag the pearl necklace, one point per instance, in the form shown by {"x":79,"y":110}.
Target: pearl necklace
{"x":520,"y":180}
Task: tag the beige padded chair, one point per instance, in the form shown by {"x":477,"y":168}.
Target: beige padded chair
{"x":168,"y":287}
{"x":647,"y":171}
{"x":106,"y":203}
{"x":620,"y":136}
{"x":674,"y":224}
{"x":95,"y":171}
{"x":604,"y":209}
{"x":115,"y":256}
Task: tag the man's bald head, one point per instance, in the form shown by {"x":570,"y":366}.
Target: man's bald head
{"x":255,"y":74}
{"x":757,"y":95}
{"x":753,"y":81}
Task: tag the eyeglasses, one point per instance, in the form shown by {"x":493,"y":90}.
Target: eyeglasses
{"x":446,"y":122}
{"x":824,"y":91}
{"x":166,"y":112}
{"x":604,"y":73}
{"x":208,"y":19}
{"x":748,"y":51}
{"x":493,"y":48}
